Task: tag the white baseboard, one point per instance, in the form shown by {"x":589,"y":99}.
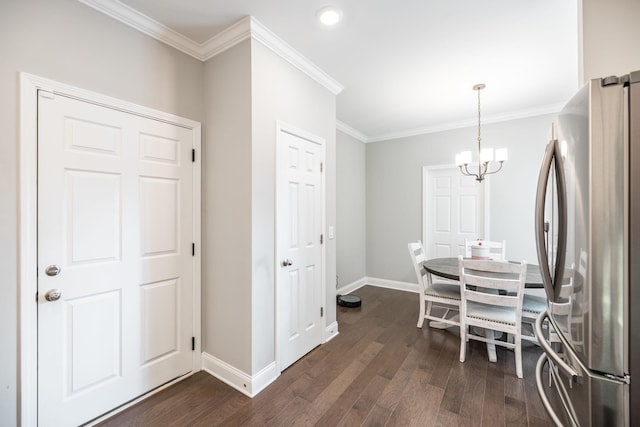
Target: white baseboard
{"x":244,"y":383}
{"x":346,"y":289}
{"x":330,"y":332}
{"x":393,"y":284}
{"x":381,"y":283}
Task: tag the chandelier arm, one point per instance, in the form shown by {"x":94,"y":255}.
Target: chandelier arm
{"x":495,"y":171}
{"x":466,"y":171}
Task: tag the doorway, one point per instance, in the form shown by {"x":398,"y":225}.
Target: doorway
{"x":112,"y":189}
{"x":454,"y":208}
{"x":300,"y":245}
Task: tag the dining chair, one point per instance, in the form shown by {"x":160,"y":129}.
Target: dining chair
{"x":534,"y":302}
{"x":491,"y":299}
{"x":561,"y":309}
{"x":445,"y":295}
{"x":497,"y":249}
{"x":579,"y":307}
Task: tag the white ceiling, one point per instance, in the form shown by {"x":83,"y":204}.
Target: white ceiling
{"x":408,"y":66}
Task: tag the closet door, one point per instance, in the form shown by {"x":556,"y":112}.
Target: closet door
{"x":115,"y":266}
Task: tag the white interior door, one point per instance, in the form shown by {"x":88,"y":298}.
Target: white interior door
{"x":453,"y":210}
{"x":299,"y":245}
{"x":115,"y":214}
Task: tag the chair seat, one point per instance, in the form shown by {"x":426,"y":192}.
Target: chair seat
{"x":444,"y":290}
{"x":533,"y":305}
{"x":493,"y":314}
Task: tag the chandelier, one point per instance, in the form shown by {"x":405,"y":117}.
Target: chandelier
{"x":485,"y":155}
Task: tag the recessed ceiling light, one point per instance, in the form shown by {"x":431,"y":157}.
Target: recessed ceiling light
{"x":329,"y":15}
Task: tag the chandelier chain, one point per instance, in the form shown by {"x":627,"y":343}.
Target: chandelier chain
{"x":478,"y":90}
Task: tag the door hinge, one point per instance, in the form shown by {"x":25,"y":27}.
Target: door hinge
{"x":321,"y":311}
{"x":193,"y":155}
{"x":321,"y":238}
{"x":193,"y":343}
{"x":321,"y":166}
{"x":193,"y":249}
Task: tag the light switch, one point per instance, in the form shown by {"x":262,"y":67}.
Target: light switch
{"x":331,"y":233}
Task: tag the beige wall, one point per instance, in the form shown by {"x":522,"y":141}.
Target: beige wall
{"x":351,"y":205}
{"x":281,"y":92}
{"x":66,"y":41}
{"x":248,"y":89}
{"x":610,"y":37}
{"x":394,"y":190}
{"x":226,"y":201}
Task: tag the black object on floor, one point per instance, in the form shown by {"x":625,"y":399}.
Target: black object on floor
{"x":349,"y":300}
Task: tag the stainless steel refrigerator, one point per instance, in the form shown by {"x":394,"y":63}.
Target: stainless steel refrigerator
{"x":588,"y":241}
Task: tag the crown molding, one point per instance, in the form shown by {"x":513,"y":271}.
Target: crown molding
{"x":131,"y":17}
{"x":236,"y":33}
{"x":355,"y":133}
{"x":226,"y":39}
{"x":262,"y":34}
{"x":521,"y":114}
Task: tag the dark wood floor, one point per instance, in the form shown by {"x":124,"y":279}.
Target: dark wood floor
{"x":379,"y":371}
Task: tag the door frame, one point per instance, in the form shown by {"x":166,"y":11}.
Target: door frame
{"x":27,"y":228}
{"x":292,"y":130}
{"x":426,"y":212}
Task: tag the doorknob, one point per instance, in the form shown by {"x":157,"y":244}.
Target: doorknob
{"x":53,"y":295}
{"x":52,"y":270}
{"x":286,"y":262}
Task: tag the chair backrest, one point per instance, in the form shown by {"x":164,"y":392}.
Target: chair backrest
{"x":497,"y":250}
{"x":476,"y":276}
{"x":563,"y":306}
{"x":416,"y":250}
{"x":582,"y":265}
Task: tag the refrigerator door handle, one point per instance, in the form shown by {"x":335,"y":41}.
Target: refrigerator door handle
{"x":543,"y":395}
{"x":549,"y":351}
{"x":561,"y":251}
{"x":541,"y":195}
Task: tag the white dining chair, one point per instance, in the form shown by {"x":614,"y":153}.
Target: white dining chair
{"x":491,"y":300}
{"x":445,"y":295}
{"x":497,"y":249}
{"x":534,"y":302}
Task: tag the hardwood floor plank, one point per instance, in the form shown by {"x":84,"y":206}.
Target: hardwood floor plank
{"x":493,"y":405}
{"x":473,"y":398}
{"x":321,"y":404}
{"x":454,"y":392}
{"x":393,"y":392}
{"x":379,"y":371}
{"x":384,"y":364}
{"x":447,"y":419}
{"x":515,"y":412}
{"x":365,"y":404}
{"x":378,"y":417}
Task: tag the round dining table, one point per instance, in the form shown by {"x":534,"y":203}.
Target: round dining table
{"x":448,"y":268}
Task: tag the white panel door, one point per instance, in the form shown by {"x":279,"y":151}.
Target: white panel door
{"x":453,"y":209}
{"x":299,"y":248}
{"x":115,"y":214}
